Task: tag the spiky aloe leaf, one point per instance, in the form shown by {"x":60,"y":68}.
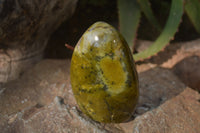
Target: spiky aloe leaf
{"x":129,"y":17}
{"x":146,"y":9}
{"x":168,"y":32}
{"x":192,"y":8}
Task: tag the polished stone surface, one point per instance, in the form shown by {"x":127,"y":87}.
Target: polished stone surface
{"x":103,"y":75}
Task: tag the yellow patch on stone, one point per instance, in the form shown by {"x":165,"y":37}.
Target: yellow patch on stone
{"x":113,"y":74}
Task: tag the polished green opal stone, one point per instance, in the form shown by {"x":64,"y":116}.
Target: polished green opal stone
{"x":103,"y":75}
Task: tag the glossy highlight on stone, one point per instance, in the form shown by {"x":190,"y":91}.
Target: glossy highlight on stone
{"x":103,"y":75}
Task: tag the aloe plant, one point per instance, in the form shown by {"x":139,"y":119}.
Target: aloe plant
{"x":192,"y":9}
{"x":129,"y":17}
{"x":130,"y":14}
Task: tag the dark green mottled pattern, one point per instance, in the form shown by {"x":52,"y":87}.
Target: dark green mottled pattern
{"x":103,"y":75}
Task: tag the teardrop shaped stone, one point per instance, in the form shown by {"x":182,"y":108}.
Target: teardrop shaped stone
{"x":103,"y":75}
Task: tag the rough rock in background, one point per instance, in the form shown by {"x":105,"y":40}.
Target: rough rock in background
{"x":25,"y":27}
{"x":173,"y":53}
{"x":157,"y":85}
{"x":188,"y":71}
{"x":182,"y":57}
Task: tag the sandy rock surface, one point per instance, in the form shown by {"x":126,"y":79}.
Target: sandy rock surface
{"x":178,"y":115}
{"x":41,"y":100}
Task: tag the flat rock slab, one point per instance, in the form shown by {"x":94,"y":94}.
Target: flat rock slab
{"x":41,"y":100}
{"x":56,"y":117}
{"x":178,"y":115}
{"x":39,"y":85}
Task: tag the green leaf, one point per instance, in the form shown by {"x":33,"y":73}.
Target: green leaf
{"x":192,"y":8}
{"x":168,"y":32}
{"x":146,"y":9}
{"x":129,"y":17}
